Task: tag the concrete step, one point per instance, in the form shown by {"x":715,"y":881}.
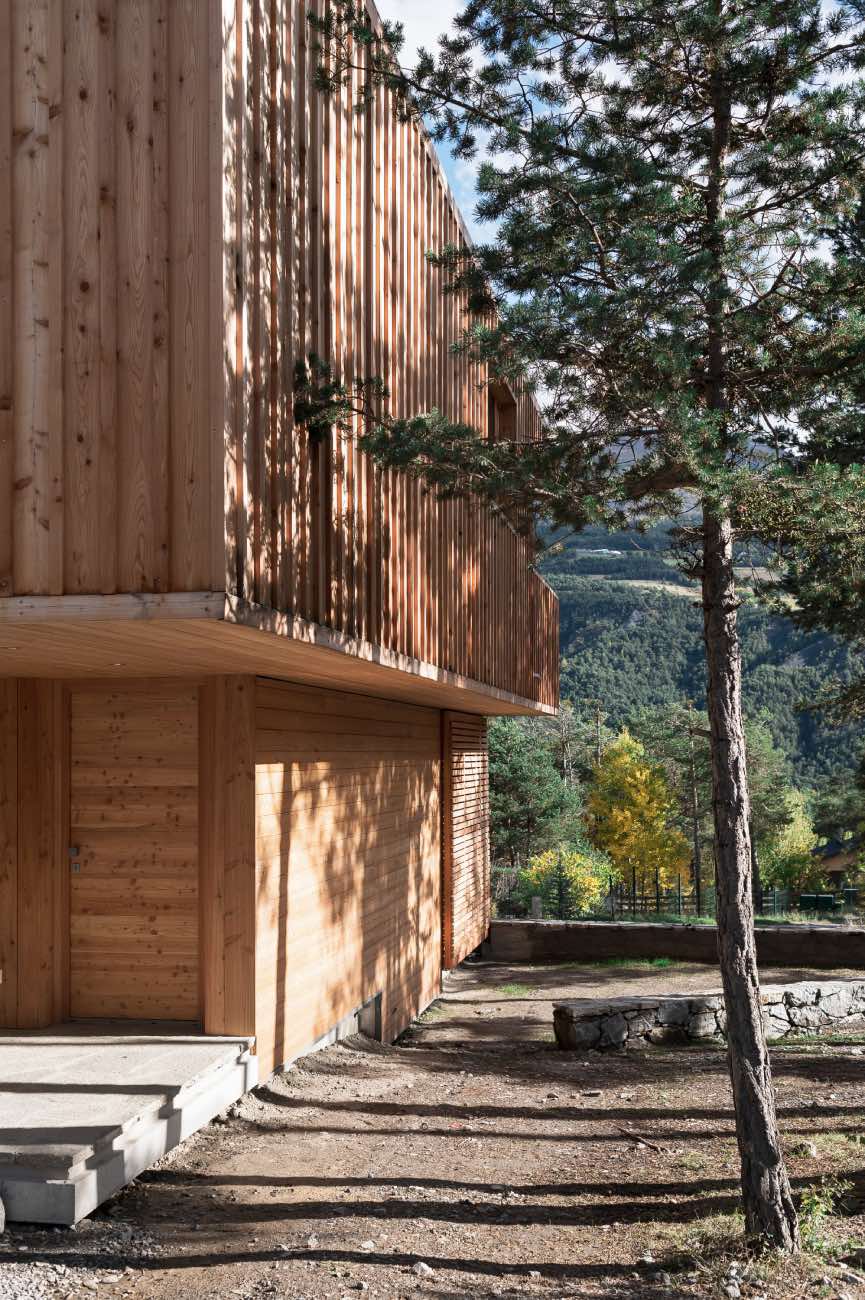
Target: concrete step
{"x":56,"y":1168}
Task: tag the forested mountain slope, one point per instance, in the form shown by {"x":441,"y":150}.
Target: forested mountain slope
{"x":631,"y":639}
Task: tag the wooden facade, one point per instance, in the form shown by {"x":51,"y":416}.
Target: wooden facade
{"x":182,"y":220}
{"x":133,"y":851}
{"x":348,"y":862}
{"x":465,"y":846}
{"x":242,"y":762}
{"x":251,"y":855}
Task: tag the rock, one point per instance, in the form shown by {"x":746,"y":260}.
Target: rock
{"x":837,"y":1001}
{"x":420,"y":1269}
{"x":673,"y":1011}
{"x":667,"y":1034}
{"x":703,"y":1025}
{"x":801,"y":995}
{"x":614,"y":1031}
{"x":572,"y":1035}
{"x":803,"y":1017}
{"x":593,"y":1024}
{"x":776,"y":1024}
{"x":713,"y":1002}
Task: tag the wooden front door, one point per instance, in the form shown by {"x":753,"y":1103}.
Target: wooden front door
{"x":134,"y":852}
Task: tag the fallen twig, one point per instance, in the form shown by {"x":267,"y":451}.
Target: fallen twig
{"x":638,"y":1137}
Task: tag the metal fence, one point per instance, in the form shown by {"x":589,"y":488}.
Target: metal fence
{"x":682,"y":900}
{"x":623,"y":902}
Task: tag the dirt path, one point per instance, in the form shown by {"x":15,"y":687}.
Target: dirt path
{"x":479,"y":1151}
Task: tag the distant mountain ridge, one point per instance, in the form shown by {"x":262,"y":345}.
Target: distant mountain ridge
{"x":631,"y":636}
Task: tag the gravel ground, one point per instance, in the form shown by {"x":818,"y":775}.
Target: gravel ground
{"x":474,"y":1159}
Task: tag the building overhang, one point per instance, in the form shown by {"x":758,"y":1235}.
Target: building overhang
{"x":210,"y":633}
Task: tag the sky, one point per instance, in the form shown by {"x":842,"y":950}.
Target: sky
{"x":424,"y":21}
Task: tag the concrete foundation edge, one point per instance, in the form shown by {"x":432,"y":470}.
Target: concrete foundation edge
{"x":64,"y":1201}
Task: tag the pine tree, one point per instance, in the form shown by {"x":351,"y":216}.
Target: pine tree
{"x":531,"y":805}
{"x":672,"y":181}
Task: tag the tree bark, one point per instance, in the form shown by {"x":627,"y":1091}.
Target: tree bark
{"x":695,"y":818}
{"x":769,"y":1212}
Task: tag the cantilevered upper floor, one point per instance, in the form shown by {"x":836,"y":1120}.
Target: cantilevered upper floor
{"x":183,"y":218}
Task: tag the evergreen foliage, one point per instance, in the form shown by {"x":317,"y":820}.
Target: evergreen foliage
{"x":637,"y":649}
{"x":532,"y":806}
{"x":676,"y":187}
{"x":570,"y":881}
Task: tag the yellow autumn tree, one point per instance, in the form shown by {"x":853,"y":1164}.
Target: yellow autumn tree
{"x":629,"y":811}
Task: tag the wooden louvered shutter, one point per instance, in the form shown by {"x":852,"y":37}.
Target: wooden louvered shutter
{"x":466,"y":862}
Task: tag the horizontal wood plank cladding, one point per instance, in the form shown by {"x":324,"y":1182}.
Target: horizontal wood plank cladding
{"x":8,"y":852}
{"x":227,"y":813}
{"x":466,"y":875}
{"x":347,"y":832}
{"x":331,"y":214}
{"x":108,"y":138}
{"x":43,"y":879}
{"x":134,"y":907}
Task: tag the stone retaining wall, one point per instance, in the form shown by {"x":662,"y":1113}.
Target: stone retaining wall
{"x":620,"y":1022}
{"x":829,"y":947}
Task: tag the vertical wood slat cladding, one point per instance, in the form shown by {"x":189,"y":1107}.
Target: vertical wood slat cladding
{"x":385,"y":561}
{"x":108,"y":139}
{"x":347,"y":833}
{"x":134,"y":822}
{"x":183,"y":218}
{"x":466,"y":858}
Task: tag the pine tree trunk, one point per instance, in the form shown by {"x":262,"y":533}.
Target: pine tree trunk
{"x":769,"y":1211}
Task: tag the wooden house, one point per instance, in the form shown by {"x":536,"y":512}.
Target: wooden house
{"x":244,"y":675}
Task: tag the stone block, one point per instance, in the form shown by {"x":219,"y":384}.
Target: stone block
{"x":673,"y":1011}
{"x":806,"y":1017}
{"x":640,"y":1025}
{"x":703,"y":1024}
{"x":710,"y":1002}
{"x":837,"y":1000}
{"x":801,"y":995}
{"x":668,"y":1034}
{"x":614,"y":1031}
{"x":572,"y":1033}
{"x":775,"y":1026}
{"x":613,"y":1022}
